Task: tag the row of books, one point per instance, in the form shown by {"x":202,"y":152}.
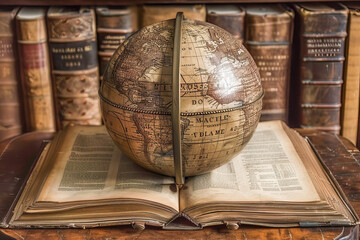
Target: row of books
{"x":55,"y":57}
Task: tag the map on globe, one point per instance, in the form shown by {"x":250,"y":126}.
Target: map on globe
{"x":220,"y":93}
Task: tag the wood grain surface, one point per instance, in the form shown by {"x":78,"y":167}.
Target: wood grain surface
{"x":340,"y":156}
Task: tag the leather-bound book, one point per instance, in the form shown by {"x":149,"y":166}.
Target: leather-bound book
{"x":350,"y":96}
{"x":10,"y":107}
{"x":228,"y":17}
{"x":319,"y":66}
{"x":35,"y":69}
{"x":73,"y":50}
{"x":114,"y":25}
{"x":268,"y":38}
{"x":156,"y":13}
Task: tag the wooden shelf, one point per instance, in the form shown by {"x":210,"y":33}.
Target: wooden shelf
{"x":129,"y":2}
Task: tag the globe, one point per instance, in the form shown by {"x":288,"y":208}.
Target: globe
{"x":220,"y":89}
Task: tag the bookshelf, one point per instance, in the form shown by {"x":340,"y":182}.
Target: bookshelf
{"x":131,"y":2}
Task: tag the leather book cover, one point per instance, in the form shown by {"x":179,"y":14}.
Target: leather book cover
{"x":17,"y":167}
{"x":319,"y":67}
{"x":351,"y":86}
{"x":73,"y":51}
{"x":35,"y":69}
{"x":10,"y":107}
{"x":229,"y":17}
{"x":114,"y":25}
{"x":268,"y":38}
{"x":156,"y":13}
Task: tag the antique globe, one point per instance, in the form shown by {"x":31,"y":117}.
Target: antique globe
{"x":220,"y":97}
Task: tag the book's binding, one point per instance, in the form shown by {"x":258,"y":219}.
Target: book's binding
{"x":322,"y":34}
{"x":35,"y":69}
{"x":269,"y":40}
{"x":10,"y":107}
{"x":73,"y":51}
{"x":114,"y":26}
{"x":32,"y":145}
{"x":182,"y":222}
{"x":18,"y":168}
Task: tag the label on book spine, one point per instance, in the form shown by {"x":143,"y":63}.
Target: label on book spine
{"x":111,"y":41}
{"x":6,"y":47}
{"x":324,"y":47}
{"x":33,"y":55}
{"x":74,"y":56}
{"x":273,"y":63}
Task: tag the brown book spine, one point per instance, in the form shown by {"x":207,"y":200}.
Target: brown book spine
{"x":269,"y":31}
{"x":229,"y":17}
{"x":351,"y":87}
{"x":322,"y":29}
{"x":73,"y":50}
{"x":156,"y":13}
{"x":114,"y":26}
{"x":10,"y":107}
{"x":35,"y":70}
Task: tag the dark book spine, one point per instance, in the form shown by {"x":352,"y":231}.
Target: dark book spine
{"x":114,"y":26}
{"x":269,"y":39}
{"x":10,"y":107}
{"x":35,"y":73}
{"x":73,"y":50}
{"x":320,"y":67}
{"x":232,"y":22}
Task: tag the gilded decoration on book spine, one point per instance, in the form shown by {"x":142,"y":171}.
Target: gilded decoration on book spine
{"x":73,"y":49}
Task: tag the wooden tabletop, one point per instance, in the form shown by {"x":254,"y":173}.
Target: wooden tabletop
{"x":340,"y":156}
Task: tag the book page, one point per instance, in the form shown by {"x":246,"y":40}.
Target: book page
{"x":268,"y":169}
{"x":89,"y":166}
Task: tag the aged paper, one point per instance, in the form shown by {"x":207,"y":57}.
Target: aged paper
{"x":90,"y":166}
{"x":268,"y":169}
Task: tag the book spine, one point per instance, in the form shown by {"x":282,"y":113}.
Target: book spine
{"x":269,"y":39}
{"x":233,"y":23}
{"x":350,"y":97}
{"x":321,"y":56}
{"x":10,"y":107}
{"x":152,"y":14}
{"x":35,"y":75}
{"x":73,"y":50}
{"x":112,"y":30}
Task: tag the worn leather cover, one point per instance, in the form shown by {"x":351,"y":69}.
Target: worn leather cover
{"x":229,"y":17}
{"x":73,"y":51}
{"x":10,"y":107}
{"x":114,"y":26}
{"x":18,"y":155}
{"x":35,"y":69}
{"x":322,"y":32}
{"x":269,"y":31}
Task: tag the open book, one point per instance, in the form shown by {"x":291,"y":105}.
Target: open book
{"x":82,"y":179}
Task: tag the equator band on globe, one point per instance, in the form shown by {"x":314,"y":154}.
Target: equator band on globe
{"x":220,"y":95}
